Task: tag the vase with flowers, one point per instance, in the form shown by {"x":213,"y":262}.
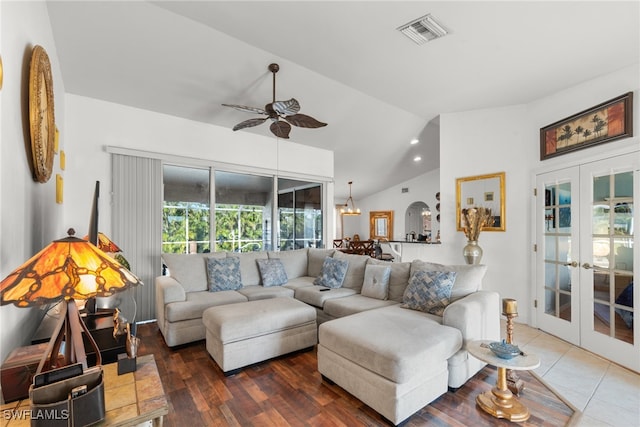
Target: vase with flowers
{"x":475,"y":219}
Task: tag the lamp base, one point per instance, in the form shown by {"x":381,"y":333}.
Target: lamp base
{"x":126,"y":364}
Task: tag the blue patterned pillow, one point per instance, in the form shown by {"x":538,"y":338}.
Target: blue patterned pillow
{"x":272,"y":272}
{"x":223,"y":274}
{"x":333,"y":272}
{"x":429,"y":291}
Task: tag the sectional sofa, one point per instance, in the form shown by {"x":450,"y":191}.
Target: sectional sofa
{"x":395,"y":359}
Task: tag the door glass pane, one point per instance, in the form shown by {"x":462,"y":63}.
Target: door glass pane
{"x":300,"y":214}
{"x":624,"y":185}
{"x":565,"y":307}
{"x":243,"y":212}
{"x":601,"y":188}
{"x":557,"y":250}
{"x":612,"y":222}
{"x":550,"y":302}
{"x":185,"y":214}
{"x":624,"y":307}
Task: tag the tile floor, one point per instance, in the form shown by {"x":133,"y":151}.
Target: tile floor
{"x":607,"y":394}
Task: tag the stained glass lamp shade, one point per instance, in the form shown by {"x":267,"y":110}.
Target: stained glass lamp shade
{"x":66,"y":270}
{"x":105,"y":244}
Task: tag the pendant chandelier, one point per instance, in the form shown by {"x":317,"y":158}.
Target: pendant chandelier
{"x":349,"y":210}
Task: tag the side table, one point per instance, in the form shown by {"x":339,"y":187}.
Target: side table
{"x":500,"y":401}
{"x":130,"y":399}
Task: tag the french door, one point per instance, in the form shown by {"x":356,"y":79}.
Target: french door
{"x":586,"y":259}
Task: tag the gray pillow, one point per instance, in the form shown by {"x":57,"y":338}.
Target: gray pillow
{"x":333,"y":273}
{"x":223,"y":274}
{"x":429,"y":291}
{"x":272,"y":272}
{"x":468,"y":278}
{"x":376,"y":281}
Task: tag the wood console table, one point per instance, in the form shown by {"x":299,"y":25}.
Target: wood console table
{"x":130,"y":399}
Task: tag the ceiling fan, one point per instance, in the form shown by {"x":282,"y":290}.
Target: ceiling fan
{"x":283,"y":114}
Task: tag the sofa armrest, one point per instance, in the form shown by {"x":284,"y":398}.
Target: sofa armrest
{"x":169,"y":290}
{"x":477,"y":316}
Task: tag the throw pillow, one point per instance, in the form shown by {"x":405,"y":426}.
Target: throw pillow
{"x":332,"y":273}
{"x":468,"y":277}
{"x":376,"y":281}
{"x":429,"y":291}
{"x":272,"y":272}
{"x":223,"y":274}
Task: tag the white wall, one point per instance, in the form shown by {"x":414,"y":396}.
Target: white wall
{"x":29,"y":215}
{"x":507,"y":139}
{"x":422,"y":188}
{"x":94,"y":125}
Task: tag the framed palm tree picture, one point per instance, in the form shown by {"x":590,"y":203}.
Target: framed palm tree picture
{"x":605,"y":122}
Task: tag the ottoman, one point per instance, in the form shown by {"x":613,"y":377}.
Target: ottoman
{"x":392,"y":359}
{"x":238,"y":335}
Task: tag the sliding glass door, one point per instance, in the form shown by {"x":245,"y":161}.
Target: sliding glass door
{"x":238,"y":215}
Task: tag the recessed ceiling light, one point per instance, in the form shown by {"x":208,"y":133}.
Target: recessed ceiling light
{"x":423,"y":29}
{"x":414,"y":141}
{"x":417,"y":158}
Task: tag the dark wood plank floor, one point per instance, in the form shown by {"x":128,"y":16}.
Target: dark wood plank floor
{"x":288,"y":391}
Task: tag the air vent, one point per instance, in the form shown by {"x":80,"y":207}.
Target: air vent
{"x":423,"y":29}
{"x":405,"y":189}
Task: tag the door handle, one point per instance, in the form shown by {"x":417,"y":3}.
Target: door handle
{"x":571,"y":264}
{"x":588,"y":266}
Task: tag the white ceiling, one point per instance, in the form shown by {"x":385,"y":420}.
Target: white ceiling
{"x":345,"y":63}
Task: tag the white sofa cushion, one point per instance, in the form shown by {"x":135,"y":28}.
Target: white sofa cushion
{"x":315,"y":260}
{"x":355,"y":272}
{"x":249,"y":267}
{"x":295,"y":262}
{"x":314,"y":295}
{"x":190,"y":269}
{"x":393,"y":342}
{"x":400,"y":273}
{"x":198,"y":302}
{"x":468,"y":277}
{"x":256,"y":292}
{"x":340,"y":307}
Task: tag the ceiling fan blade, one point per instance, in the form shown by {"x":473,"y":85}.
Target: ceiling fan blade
{"x":304,"y":121}
{"x":286,"y":108}
{"x":249,"y":123}
{"x":280,"y":129}
{"x":245,"y":109}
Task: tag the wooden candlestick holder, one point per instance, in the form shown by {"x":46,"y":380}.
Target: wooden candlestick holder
{"x":514,"y":383}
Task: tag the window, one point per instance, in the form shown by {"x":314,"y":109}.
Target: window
{"x":185,"y":214}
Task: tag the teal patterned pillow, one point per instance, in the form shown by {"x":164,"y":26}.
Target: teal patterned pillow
{"x":429,"y":291}
{"x":272,"y":272}
{"x":223,"y":274}
{"x":333,"y":272}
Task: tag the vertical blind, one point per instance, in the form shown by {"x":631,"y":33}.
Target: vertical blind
{"x":137,"y":223}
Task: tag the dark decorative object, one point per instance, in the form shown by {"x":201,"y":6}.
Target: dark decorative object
{"x":605,"y":122}
{"x":504,"y":350}
{"x":283,"y":114}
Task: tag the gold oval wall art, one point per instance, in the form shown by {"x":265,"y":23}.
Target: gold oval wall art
{"x":1,"y":73}
{"x":41,"y":114}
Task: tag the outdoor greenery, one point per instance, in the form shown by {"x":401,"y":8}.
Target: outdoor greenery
{"x":185,"y":228}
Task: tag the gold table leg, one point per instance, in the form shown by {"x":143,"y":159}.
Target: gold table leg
{"x":500,"y":401}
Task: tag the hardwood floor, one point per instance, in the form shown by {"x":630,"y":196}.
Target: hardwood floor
{"x":288,"y":391}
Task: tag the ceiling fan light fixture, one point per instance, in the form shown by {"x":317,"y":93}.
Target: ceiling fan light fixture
{"x":349,"y":210}
{"x":423,"y":29}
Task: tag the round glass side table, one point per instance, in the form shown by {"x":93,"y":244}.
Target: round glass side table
{"x":500,"y":401}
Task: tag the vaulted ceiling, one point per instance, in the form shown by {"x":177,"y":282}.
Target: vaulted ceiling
{"x":344,"y":61}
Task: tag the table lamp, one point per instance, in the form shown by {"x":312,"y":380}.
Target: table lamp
{"x":66,"y":270}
